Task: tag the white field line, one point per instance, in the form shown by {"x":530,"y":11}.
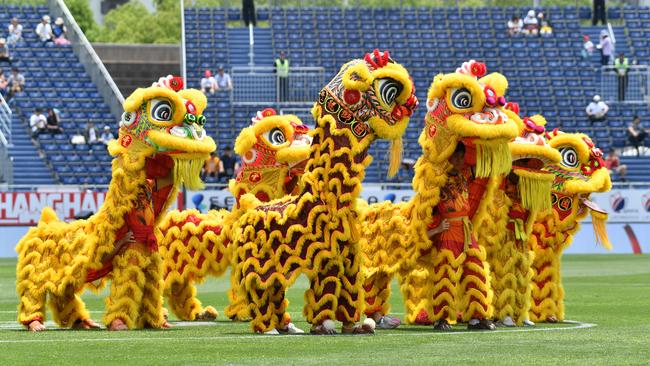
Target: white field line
{"x":573,"y":325}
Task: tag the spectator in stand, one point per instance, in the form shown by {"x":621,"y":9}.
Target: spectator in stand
{"x":223,"y":80}
{"x":531,"y":27}
{"x":606,"y":47}
{"x":15,"y":32}
{"x":53,"y":122}
{"x":37,"y":122}
{"x":636,"y":134}
{"x":208,"y":83}
{"x":91,"y":134}
{"x":5,"y":56}
{"x":515,"y":25}
{"x":599,"y":12}
{"x":613,"y":164}
{"x":621,"y":66}
{"x":597,"y":110}
{"x":282,"y":72}
{"x":213,"y":166}
{"x":58,"y":31}
{"x":248,"y":12}
{"x":16,"y":83}
{"x":44,"y":30}
{"x":4,"y":83}
{"x":229,"y":165}
{"x":587,"y":47}
{"x":545,"y":28}
{"x":106,"y":136}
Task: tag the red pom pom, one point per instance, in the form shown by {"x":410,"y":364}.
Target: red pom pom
{"x":478,"y":69}
{"x":351,"y":97}
{"x":268,"y":112}
{"x":176,"y":83}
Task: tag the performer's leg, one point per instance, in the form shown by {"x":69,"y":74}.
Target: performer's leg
{"x":546,"y":286}
{"x":269,"y":307}
{"x":447,"y":271}
{"x":124,"y":302}
{"x":185,"y":305}
{"x":417,"y":291}
{"x":524,"y":278}
{"x":503,"y":261}
{"x":476,"y":294}
{"x":32,"y":304}
{"x":151,"y":310}
{"x":68,"y":310}
{"x":237,"y":308}
{"x":377,"y":293}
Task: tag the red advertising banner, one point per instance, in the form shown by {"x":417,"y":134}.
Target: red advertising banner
{"x":24,"y":208}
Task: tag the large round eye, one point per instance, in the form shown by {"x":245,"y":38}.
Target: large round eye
{"x":569,"y":157}
{"x":389,"y":89}
{"x":128,"y":118}
{"x":275,"y":137}
{"x":161,"y":110}
{"x":461,"y":98}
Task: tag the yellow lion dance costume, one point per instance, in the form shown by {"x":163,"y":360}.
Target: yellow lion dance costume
{"x":580,"y":173}
{"x":194,"y":245}
{"x":161,"y":145}
{"x":463,"y":107}
{"x":507,"y":222}
{"x":316,"y":232}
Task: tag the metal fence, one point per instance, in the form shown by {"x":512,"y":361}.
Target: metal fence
{"x":633,"y":88}
{"x":6,"y":163}
{"x":260,"y":85}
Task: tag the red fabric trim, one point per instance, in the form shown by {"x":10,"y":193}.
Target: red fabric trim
{"x":36,"y":318}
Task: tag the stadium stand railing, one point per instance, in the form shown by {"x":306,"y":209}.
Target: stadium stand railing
{"x":547,"y":74}
{"x":257,"y":85}
{"x":6,"y":162}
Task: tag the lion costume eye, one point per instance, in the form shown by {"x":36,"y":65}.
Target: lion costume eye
{"x":275,"y":137}
{"x":461,"y":98}
{"x":569,"y":157}
{"x":389,"y":90}
{"x":161,"y":110}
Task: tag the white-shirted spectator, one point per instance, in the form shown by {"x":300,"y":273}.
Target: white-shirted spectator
{"x":597,"y":109}
{"x":531,"y":26}
{"x":106,"y":136}
{"x":91,"y":134}
{"x":587,"y":47}
{"x":44,"y":30}
{"x":15,"y":32}
{"x":37,"y":122}
{"x":515,"y":25}
{"x":208,"y":83}
{"x":223,"y":80}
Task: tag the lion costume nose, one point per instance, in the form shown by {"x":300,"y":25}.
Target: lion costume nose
{"x":299,"y":129}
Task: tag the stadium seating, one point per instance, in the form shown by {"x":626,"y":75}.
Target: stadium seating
{"x":54,"y":78}
{"x":547,"y":75}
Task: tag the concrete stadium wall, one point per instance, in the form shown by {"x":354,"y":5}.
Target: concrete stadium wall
{"x":138,"y":65}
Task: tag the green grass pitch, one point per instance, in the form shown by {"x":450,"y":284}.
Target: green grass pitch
{"x":612,"y":292}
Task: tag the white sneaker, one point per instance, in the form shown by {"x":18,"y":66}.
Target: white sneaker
{"x":528,"y":323}
{"x":272,"y":332}
{"x":292,"y":329}
{"x":507,"y":322}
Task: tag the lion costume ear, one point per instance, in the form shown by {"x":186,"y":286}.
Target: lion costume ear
{"x":357,"y":77}
{"x":245,"y":141}
{"x":539,"y":120}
